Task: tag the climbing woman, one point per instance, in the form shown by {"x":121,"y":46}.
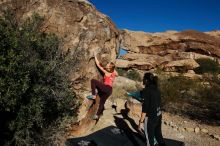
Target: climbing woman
{"x":104,"y":88}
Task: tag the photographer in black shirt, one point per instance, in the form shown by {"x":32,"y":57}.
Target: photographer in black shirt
{"x":151,"y":114}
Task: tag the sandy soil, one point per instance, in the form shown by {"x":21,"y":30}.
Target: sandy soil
{"x":169,"y":131}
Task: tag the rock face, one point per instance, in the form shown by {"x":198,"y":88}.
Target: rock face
{"x":127,"y":84}
{"x":186,"y":64}
{"x":142,"y":61}
{"x":170,"y":50}
{"x":82,"y":28}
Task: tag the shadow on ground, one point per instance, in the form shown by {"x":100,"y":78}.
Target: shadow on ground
{"x":119,"y":135}
{"x":114,"y":136}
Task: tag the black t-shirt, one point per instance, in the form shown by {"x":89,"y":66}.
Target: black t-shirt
{"x":152,"y":100}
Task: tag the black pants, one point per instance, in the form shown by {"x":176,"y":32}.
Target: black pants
{"x":152,"y":128}
{"x":104,"y":91}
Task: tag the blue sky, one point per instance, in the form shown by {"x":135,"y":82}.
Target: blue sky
{"x":162,"y":15}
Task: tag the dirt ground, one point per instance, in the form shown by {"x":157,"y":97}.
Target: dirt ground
{"x":171,"y":128}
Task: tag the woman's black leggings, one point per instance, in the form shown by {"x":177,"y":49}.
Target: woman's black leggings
{"x":104,"y":91}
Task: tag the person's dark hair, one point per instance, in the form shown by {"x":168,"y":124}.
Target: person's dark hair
{"x":149,"y":79}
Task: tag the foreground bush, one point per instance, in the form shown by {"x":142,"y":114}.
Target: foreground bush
{"x":34,"y":88}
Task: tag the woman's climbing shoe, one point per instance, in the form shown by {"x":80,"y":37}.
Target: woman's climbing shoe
{"x":90,"y":97}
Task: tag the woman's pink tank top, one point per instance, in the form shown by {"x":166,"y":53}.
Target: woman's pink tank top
{"x":108,"y":80}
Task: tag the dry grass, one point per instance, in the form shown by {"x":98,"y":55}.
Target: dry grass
{"x":198,"y":99}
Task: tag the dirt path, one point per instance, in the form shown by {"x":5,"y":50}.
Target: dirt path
{"x":171,"y":128}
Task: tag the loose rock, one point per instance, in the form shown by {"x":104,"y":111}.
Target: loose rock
{"x":197,"y":130}
{"x":181,"y":129}
{"x":189,"y":129}
{"x":217,"y":137}
{"x":205,"y":131}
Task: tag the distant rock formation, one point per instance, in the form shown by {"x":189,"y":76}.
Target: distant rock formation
{"x":169,"y":50}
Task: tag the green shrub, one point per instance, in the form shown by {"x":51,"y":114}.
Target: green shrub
{"x":176,"y":89}
{"x":121,"y":72}
{"x":209,"y":94}
{"x":196,"y":98}
{"x":34,"y":86}
{"x":133,"y":75}
{"x":207,"y":66}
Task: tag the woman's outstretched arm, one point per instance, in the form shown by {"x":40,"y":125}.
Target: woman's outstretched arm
{"x":99,"y":66}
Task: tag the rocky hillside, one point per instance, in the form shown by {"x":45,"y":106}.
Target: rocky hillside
{"x":171,"y":51}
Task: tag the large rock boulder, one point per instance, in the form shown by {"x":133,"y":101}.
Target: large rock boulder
{"x":181,"y":65}
{"x":142,"y":61}
{"x":127,"y":84}
{"x":82,"y":28}
{"x":138,"y":64}
{"x":137,"y":41}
